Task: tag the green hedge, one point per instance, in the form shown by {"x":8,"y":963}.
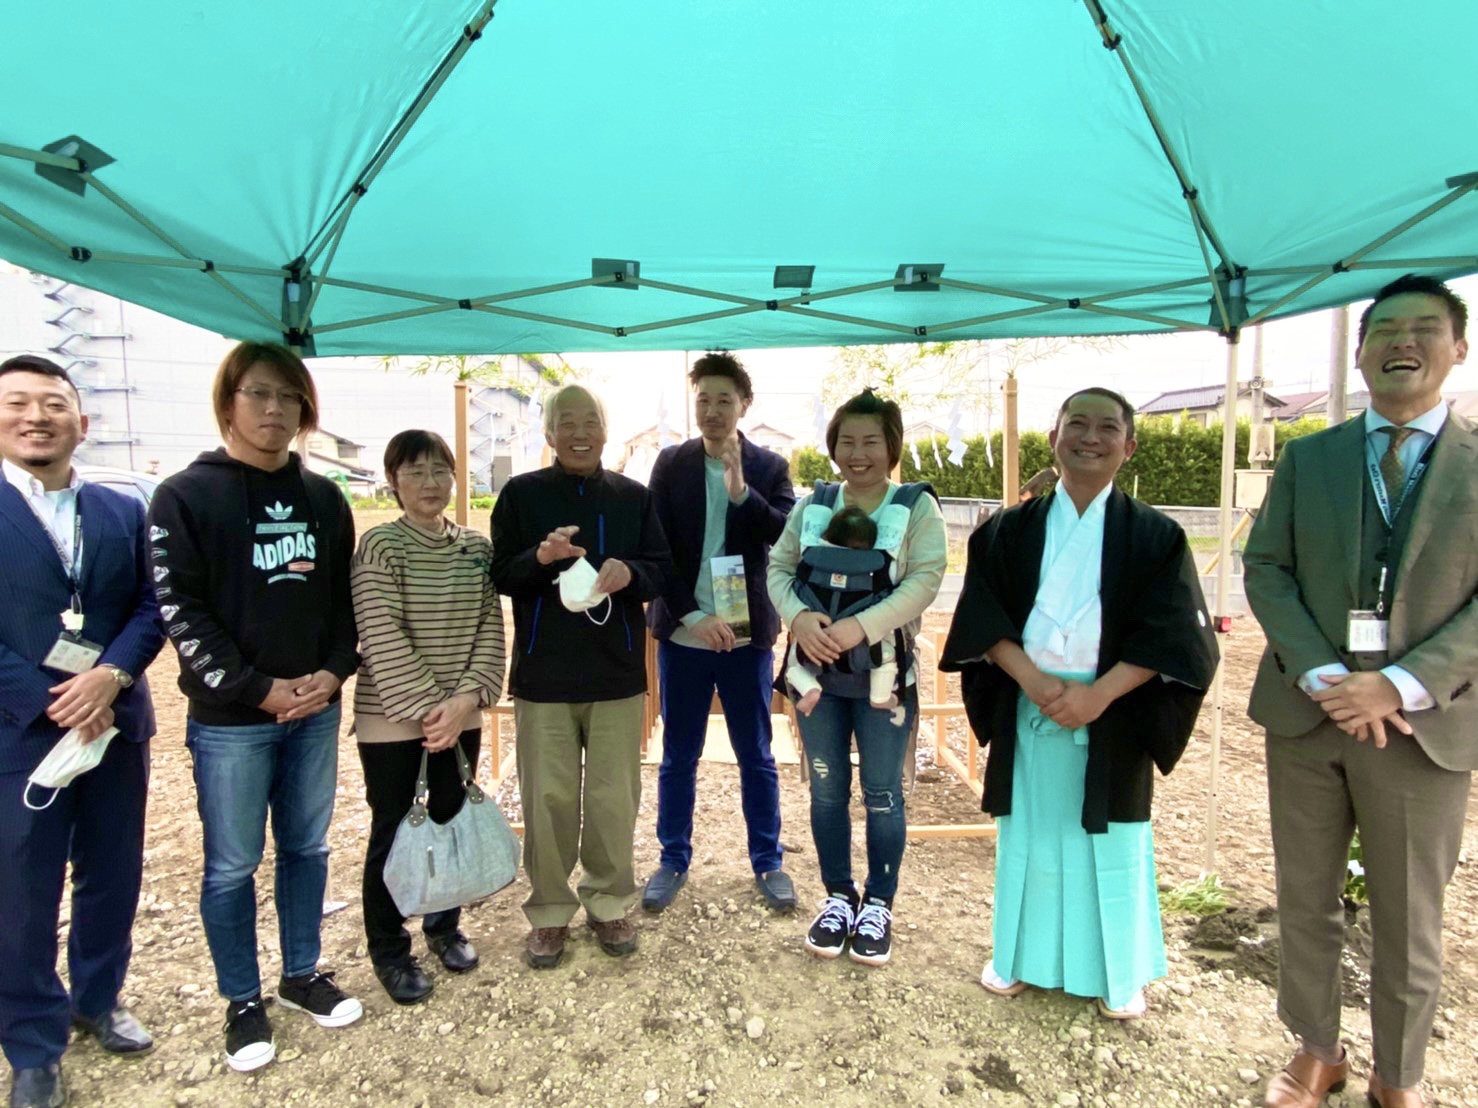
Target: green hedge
{"x":1174,"y":464}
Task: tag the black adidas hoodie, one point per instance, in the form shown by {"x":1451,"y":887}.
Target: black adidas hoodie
{"x":251,"y":569}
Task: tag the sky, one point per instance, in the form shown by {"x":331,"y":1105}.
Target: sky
{"x":1295,"y":357}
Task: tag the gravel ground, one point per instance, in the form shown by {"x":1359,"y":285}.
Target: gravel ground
{"x":722,"y":1006}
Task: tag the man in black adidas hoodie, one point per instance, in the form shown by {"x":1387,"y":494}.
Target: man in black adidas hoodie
{"x":251,"y":559}
{"x":579,"y":675}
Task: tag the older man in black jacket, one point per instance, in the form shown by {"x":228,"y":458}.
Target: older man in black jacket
{"x":579,"y":549}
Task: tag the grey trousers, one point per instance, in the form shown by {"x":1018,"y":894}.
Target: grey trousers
{"x":579,"y":777}
{"x":1409,"y":811}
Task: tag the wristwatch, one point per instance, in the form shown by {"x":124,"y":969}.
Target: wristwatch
{"x":124,"y":680}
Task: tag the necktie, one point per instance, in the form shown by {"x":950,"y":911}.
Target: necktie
{"x":1392,"y":470}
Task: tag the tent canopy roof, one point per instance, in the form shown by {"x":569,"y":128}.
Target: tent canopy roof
{"x":452,"y":182}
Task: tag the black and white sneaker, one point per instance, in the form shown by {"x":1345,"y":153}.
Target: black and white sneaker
{"x":317,"y":995}
{"x":249,"y":1041}
{"x":829,"y":930}
{"x":872,"y":935}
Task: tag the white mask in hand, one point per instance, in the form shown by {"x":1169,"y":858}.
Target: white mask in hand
{"x":66,"y":760}
{"x":577,"y":590}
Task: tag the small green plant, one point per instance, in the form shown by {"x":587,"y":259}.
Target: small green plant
{"x":1355,"y":891}
{"x":1205,"y":897}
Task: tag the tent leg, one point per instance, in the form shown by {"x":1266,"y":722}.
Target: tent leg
{"x":1223,"y":590}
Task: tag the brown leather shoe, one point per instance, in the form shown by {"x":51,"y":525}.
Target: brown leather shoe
{"x":1305,"y":1081}
{"x":617,"y":937}
{"x":1381,"y":1095}
{"x":545,"y":946}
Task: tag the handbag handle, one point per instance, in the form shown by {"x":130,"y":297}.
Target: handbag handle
{"x":423,"y":790}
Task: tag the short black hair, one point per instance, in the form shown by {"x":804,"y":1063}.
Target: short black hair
{"x":722,"y":363}
{"x":407,"y":446}
{"x":1108,"y":394}
{"x":34,"y":363}
{"x":1457,"y":310}
{"x":869,"y":403}
{"x":851,"y":527}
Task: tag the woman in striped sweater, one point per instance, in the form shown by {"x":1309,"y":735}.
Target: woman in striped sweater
{"x":431,"y":633}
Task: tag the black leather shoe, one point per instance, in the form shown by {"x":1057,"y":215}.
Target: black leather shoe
{"x":454,"y":950}
{"x":662,"y":887}
{"x":117,"y":1032}
{"x":41,"y":1087}
{"x":778,"y":890}
{"x":405,"y":982}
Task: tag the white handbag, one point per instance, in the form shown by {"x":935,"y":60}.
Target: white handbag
{"x":434,"y":867}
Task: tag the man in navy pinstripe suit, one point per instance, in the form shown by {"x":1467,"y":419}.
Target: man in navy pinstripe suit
{"x":81,"y":550}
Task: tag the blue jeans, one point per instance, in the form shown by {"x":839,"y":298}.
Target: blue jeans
{"x":241,"y":773}
{"x":827,"y":733}
{"x":743,"y":677}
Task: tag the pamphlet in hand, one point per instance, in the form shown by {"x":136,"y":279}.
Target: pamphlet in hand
{"x":730,"y":598}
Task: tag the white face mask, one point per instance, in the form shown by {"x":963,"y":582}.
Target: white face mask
{"x":577,"y":590}
{"x":66,"y":760}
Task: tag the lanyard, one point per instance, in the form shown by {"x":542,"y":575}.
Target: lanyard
{"x":1388,"y":510}
{"x":73,"y":565}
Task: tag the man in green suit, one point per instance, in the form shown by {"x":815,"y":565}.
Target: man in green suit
{"x":1361,"y":570}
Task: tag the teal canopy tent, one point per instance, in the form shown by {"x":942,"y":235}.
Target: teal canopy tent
{"x":414,"y":176}
{"x":417,"y":175}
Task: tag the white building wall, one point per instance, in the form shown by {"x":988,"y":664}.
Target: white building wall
{"x":147,"y":396}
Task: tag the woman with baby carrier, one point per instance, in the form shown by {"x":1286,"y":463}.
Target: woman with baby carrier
{"x":865,"y":440}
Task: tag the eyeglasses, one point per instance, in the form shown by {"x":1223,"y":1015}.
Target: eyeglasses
{"x":264,"y":396}
{"x":420,"y":475}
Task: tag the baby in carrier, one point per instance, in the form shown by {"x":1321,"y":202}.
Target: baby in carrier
{"x":841,"y":586}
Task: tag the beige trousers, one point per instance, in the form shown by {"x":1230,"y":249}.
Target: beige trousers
{"x":579,"y":777}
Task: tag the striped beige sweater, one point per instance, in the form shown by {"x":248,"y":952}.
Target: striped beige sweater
{"x":430,"y":626}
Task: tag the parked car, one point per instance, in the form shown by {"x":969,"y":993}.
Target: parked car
{"x":140,"y":486}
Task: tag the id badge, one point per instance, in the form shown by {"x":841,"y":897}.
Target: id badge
{"x":72,"y":654}
{"x":1367,"y":632}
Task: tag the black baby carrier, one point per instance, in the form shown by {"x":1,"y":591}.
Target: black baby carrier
{"x":840,"y":582}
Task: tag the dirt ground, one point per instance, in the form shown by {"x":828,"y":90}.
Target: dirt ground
{"x":722,"y":1005}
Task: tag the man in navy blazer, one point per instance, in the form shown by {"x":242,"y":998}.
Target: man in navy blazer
{"x":74,"y":548}
{"x":717,"y":496}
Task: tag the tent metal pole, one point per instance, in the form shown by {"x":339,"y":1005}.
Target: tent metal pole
{"x":689,"y":290}
{"x":201,"y":264}
{"x":899,"y":328}
{"x":685,"y":320}
{"x":1339,"y":267}
{"x":1115,"y":43}
{"x":989,"y":290}
{"x":40,"y":157}
{"x":7,"y":212}
{"x":1223,"y":590}
{"x":469,"y":34}
{"x":147,"y":224}
{"x":994,"y":317}
{"x":1148,"y":317}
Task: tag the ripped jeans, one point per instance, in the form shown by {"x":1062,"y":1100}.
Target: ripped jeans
{"x":827,"y":733}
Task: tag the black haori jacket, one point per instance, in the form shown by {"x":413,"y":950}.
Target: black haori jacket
{"x":1154,"y":616}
